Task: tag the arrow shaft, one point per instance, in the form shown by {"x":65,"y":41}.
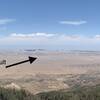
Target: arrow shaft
{"x":17,"y":63}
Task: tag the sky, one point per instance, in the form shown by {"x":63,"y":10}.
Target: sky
{"x":50,"y":24}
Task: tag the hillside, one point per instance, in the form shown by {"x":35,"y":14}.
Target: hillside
{"x":79,"y":93}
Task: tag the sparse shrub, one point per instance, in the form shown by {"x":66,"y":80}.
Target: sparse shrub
{"x":80,"y":93}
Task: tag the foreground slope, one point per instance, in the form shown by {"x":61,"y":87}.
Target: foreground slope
{"x":79,"y":93}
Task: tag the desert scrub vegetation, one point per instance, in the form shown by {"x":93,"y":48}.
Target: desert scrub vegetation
{"x":80,"y":93}
{"x":13,"y":94}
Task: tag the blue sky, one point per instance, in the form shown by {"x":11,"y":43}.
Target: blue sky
{"x":64,"y":24}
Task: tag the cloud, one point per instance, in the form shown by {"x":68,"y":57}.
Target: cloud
{"x":49,"y":40}
{"x":51,"y":36}
{"x":6,"y":21}
{"x":31,"y":35}
{"x":76,"y":23}
{"x":45,"y":37}
{"x":39,"y":39}
{"x":97,"y":36}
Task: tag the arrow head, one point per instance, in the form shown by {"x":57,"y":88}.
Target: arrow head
{"x":31,"y":59}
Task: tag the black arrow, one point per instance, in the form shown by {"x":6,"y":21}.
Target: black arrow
{"x":31,"y":59}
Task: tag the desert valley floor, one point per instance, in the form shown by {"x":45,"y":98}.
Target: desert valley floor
{"x":53,"y":70}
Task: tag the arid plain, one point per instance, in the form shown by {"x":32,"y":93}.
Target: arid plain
{"x":53,"y":70}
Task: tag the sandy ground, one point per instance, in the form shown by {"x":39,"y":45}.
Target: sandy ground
{"x":46,"y":73}
{"x":49,"y":63}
